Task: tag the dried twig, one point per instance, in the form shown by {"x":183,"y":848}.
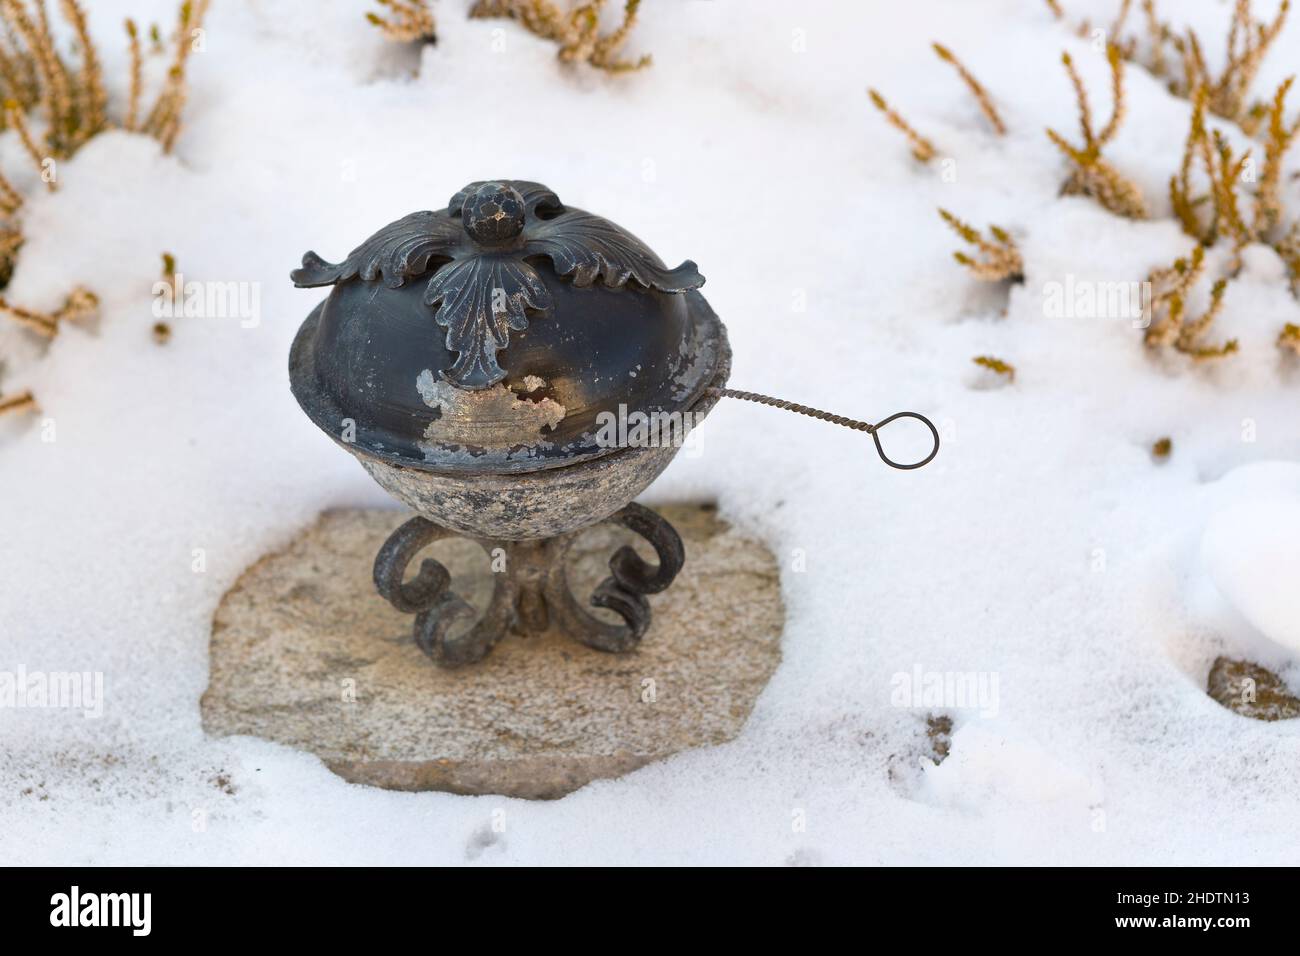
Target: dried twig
{"x":137,"y":83}
{"x":408,"y":21}
{"x":1248,"y":43}
{"x":922,"y":148}
{"x":977,"y":90}
{"x":1170,"y":288}
{"x":1091,"y":175}
{"x":1277,"y":140}
{"x":81,"y":303}
{"x":21,"y":402}
{"x":577,"y":32}
{"x":1000,"y":258}
{"x":997,"y":366}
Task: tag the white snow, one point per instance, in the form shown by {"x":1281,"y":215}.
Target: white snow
{"x":1043,"y":545}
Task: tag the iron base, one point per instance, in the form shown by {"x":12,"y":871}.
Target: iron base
{"x":531,"y":592}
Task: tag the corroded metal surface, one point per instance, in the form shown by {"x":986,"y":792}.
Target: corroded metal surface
{"x":559,"y":325}
{"x":362,"y":370}
{"x":561,"y":315}
{"x":530,"y":588}
{"x":477,"y":251}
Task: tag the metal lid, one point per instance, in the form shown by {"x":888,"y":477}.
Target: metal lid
{"x":530,"y":319}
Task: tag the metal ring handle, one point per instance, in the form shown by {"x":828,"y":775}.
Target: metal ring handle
{"x":880,"y":449}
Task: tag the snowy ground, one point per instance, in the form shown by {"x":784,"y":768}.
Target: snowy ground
{"x":1043,"y":548}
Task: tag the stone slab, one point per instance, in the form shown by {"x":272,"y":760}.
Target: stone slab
{"x":305,"y":652}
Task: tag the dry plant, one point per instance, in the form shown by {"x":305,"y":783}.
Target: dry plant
{"x":81,"y":303}
{"x":405,"y":21}
{"x":1179,"y":59}
{"x":1206,"y":191}
{"x":922,"y":148}
{"x":577,"y":31}
{"x":69,"y":94}
{"x":21,"y":402}
{"x":1162,"y":448}
{"x":1170,"y":326}
{"x":999,"y":257}
{"x":1278,"y":138}
{"x":162,"y":331}
{"x":1091,"y":175}
{"x":977,"y":89}
{"x":997,"y":366}
{"x":1216,"y":213}
{"x":1289,"y":338}
{"x":1289,"y":249}
{"x":1248,"y":43}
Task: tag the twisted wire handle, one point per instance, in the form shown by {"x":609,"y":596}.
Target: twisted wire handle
{"x":841,"y":420}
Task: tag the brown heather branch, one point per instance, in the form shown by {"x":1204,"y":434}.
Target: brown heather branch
{"x":1158,"y":36}
{"x":39,"y":322}
{"x":1278,"y":139}
{"x":1180,"y":189}
{"x":577,"y":33}
{"x":21,"y":81}
{"x":1081,"y":97}
{"x":977,"y":90}
{"x":137,"y":70}
{"x":1191,"y":332}
{"x":1091,"y":175}
{"x":15,"y":119}
{"x":1119,"y":108}
{"x":1170,"y":326}
{"x":997,"y":365}
{"x":1169,"y":288}
{"x":164,"y":120}
{"x":23,"y":401}
{"x":1289,"y":338}
{"x":1289,"y":249}
{"x":605,"y":53}
{"x":1228,"y":218}
{"x":1229,"y":95}
{"x":91,"y":113}
{"x":10,"y":198}
{"x":1001,"y":258}
{"x":922,"y":148}
{"x":11,"y":239}
{"x":409,"y":21}
{"x":1117,"y":28}
{"x":1248,"y":43}
{"x":41,"y":51}
{"x":81,"y":303}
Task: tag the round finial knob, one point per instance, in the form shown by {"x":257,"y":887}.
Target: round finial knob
{"x":494,"y":213}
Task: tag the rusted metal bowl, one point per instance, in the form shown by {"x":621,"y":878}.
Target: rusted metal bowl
{"x":472,"y":359}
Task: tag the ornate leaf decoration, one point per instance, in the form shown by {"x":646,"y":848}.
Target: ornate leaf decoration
{"x":482,"y":287}
{"x":399,"y":251}
{"x":586,"y":247}
{"x":479,"y":300}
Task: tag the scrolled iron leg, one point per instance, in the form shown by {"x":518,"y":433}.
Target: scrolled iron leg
{"x":624,"y":591}
{"x":429,"y":598}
